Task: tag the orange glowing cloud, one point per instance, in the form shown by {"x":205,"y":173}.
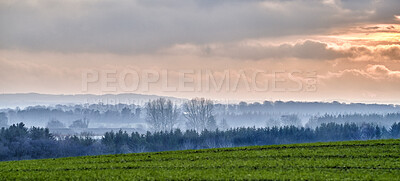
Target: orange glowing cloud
{"x":368,"y":35}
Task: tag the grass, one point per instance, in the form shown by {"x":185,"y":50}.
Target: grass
{"x":354,"y":160}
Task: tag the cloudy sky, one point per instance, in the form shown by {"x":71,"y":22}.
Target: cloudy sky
{"x":345,"y":50}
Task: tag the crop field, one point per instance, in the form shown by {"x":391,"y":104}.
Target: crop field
{"x":355,"y":160}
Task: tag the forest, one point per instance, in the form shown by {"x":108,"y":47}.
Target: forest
{"x":64,"y":131}
{"x":18,"y":142}
{"x":265,"y":114}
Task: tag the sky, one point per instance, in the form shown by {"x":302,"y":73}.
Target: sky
{"x":250,"y":50}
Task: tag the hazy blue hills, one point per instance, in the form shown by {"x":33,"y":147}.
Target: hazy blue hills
{"x":31,"y":99}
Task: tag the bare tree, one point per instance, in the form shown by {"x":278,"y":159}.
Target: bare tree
{"x":211,"y":124}
{"x":224,"y":125}
{"x":161,"y":114}
{"x":198,"y":113}
{"x":273,"y":122}
{"x":3,"y":120}
{"x":291,"y":119}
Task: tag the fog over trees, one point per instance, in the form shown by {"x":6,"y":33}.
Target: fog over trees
{"x":198,"y":114}
{"x":161,"y":114}
{"x":54,"y":123}
{"x":81,"y":123}
{"x":19,"y":142}
{"x":161,"y":124}
{"x":3,"y":120}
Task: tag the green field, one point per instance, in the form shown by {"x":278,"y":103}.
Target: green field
{"x":379,"y":159}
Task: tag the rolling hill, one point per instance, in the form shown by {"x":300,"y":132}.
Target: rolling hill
{"x":365,"y":160}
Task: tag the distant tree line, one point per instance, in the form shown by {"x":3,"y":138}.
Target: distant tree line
{"x":66,"y":115}
{"x":18,"y":142}
{"x":236,"y":115}
{"x":381,"y":119}
{"x":122,"y":142}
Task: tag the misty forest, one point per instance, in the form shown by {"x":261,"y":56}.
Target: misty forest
{"x":162,"y":125}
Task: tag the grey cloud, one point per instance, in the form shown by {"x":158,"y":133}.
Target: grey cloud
{"x":391,"y":53}
{"x":305,"y":50}
{"x":144,"y":26}
{"x":312,"y":50}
